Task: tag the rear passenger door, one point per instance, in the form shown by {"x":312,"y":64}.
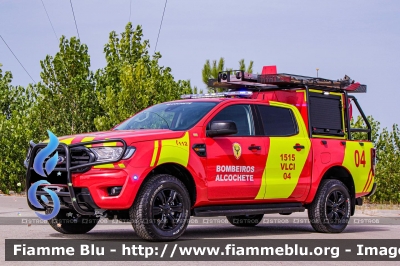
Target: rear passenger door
{"x":287,"y":170}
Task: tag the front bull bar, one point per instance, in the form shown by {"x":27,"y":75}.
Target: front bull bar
{"x":68,"y":168}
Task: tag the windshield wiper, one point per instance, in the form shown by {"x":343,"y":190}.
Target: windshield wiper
{"x":160,"y":117}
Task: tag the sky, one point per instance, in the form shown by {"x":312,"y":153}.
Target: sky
{"x":359,"y":38}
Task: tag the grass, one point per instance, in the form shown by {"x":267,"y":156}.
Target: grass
{"x":378,"y":206}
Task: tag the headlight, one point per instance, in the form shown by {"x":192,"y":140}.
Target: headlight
{"x":112,"y":153}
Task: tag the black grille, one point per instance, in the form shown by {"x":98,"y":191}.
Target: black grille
{"x":79,"y":156}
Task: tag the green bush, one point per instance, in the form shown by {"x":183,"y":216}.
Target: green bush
{"x":69,"y":97}
{"x":15,"y":103}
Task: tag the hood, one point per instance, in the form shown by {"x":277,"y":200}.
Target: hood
{"x":129,"y":136}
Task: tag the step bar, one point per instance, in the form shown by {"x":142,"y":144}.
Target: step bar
{"x":234,"y":210}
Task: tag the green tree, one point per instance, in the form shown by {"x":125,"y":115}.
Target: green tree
{"x":15,"y":132}
{"x":359,"y":123}
{"x":132,"y":80}
{"x":388,"y":166}
{"x":211,"y":71}
{"x":242,"y":66}
{"x":5,"y":95}
{"x":66,"y":100}
{"x":387,"y":171}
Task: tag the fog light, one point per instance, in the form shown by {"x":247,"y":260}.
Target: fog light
{"x":114,"y":191}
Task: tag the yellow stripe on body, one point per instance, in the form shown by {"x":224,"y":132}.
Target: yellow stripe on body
{"x":67,"y":141}
{"x":106,"y":165}
{"x":175,"y":151}
{"x":370,"y":181}
{"x":87,"y":139}
{"x":273,"y":184}
{"x":110,"y":144}
{"x":329,"y":137}
{"x":109,"y":166}
{"x":354,"y":155}
{"x":155,"y":151}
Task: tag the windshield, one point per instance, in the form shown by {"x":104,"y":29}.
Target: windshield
{"x":171,"y":115}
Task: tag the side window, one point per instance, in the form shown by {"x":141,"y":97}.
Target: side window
{"x":277,"y":121}
{"x":241,"y":115}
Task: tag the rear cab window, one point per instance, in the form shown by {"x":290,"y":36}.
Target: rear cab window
{"x":277,"y":121}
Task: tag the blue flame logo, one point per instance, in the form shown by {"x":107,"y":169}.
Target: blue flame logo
{"x":43,"y":154}
{"x":49,"y":167}
{"x":33,"y":200}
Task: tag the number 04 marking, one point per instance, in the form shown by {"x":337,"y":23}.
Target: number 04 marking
{"x":359,"y":159}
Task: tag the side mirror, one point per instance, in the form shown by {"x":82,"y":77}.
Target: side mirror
{"x":221,"y":128}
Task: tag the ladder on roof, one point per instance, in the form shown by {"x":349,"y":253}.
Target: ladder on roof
{"x":238,"y":79}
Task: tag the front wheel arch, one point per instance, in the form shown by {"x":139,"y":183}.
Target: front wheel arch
{"x":178,"y":171}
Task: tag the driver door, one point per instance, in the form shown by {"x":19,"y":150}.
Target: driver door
{"x":235,"y":163}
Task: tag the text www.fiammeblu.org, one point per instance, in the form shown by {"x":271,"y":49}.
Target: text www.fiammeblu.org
{"x":230,"y":250}
{"x":235,"y":250}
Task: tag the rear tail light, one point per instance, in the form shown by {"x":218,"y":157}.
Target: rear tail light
{"x":373,"y":160}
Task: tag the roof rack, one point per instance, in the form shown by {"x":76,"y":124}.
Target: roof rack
{"x":238,"y":79}
{"x":227,"y":94}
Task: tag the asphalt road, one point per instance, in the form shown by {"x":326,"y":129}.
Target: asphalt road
{"x":366,"y":224}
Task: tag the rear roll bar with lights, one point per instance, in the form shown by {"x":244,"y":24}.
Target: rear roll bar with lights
{"x":365,"y":130}
{"x":69,"y":169}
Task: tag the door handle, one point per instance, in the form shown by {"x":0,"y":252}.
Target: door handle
{"x":257,"y":148}
{"x":298,"y":147}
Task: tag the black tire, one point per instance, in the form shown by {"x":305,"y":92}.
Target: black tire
{"x":70,"y":222}
{"x":245,"y":220}
{"x":161,"y":210}
{"x":330,"y":210}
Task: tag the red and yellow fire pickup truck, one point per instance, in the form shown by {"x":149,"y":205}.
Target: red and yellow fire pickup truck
{"x":270,"y":143}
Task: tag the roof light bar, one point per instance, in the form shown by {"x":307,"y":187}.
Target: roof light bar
{"x":242,"y":94}
{"x":205,"y":95}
